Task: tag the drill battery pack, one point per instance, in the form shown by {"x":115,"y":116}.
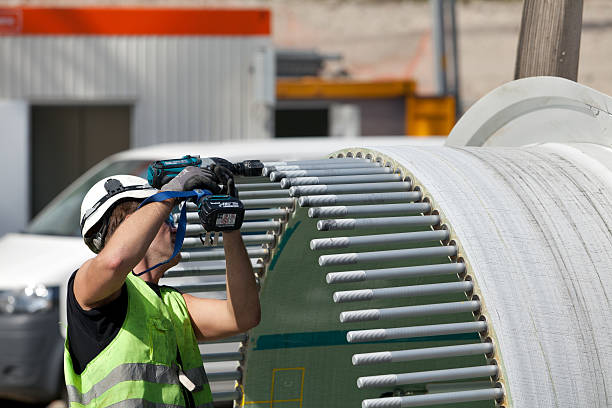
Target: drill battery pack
{"x":220,"y":213}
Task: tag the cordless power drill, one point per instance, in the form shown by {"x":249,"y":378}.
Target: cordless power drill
{"x":216,"y":212}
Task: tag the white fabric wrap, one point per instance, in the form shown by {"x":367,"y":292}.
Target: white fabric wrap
{"x":535,"y":224}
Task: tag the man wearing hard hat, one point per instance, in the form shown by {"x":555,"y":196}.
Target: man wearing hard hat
{"x":131,"y":342}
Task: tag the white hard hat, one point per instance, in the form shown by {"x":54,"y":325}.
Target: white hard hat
{"x":102,"y":197}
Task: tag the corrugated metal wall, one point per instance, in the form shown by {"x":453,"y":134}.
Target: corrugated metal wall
{"x":182,"y":88}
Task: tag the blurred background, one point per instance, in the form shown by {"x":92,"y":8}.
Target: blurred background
{"x":262,"y":69}
{"x":82,"y":80}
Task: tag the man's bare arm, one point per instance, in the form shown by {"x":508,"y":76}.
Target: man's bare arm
{"x":213,"y":318}
{"x":99,"y":280}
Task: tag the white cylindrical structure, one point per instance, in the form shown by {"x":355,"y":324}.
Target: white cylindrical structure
{"x":534,"y":224}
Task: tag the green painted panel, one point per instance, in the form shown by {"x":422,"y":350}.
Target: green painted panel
{"x":300,"y":338}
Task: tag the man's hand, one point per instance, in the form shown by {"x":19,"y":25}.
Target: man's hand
{"x":226,"y":177}
{"x":194,"y":177}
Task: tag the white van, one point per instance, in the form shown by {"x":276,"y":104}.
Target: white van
{"x":38,"y":262}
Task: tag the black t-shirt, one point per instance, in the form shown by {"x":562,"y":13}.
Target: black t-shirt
{"x":90,"y":331}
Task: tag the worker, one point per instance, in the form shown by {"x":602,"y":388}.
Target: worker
{"x":131,"y":342}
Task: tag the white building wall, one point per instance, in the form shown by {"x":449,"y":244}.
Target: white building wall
{"x":14,"y":165}
{"x":183,"y":88}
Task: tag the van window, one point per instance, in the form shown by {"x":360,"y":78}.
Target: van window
{"x":61,"y":216}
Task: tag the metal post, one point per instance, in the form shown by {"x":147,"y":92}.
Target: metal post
{"x":549,"y":42}
{"x":421,"y":354}
{"x":374,"y":198}
{"x":402,"y":291}
{"x":382,"y":209}
{"x":395,"y":273}
{"x":298,"y":191}
{"x":228,"y":356}
{"x":269,"y":202}
{"x":267,"y":170}
{"x":360,"y":336}
{"x":434,"y":399}
{"x":263,"y":194}
{"x":202,"y":287}
{"x":439,"y":51}
{"x":277,"y":175}
{"x":211,"y":268}
{"x":378,"y":239}
{"x":383,"y":256}
{"x":194,"y":229}
{"x":218,"y":254}
{"x":391,"y":380}
{"x":364,"y":178}
{"x":315,"y":161}
{"x":408,"y":311}
{"x":379,"y":222}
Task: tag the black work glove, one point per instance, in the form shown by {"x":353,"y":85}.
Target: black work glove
{"x":219,"y":161}
{"x":194,"y":177}
{"x":225,"y":177}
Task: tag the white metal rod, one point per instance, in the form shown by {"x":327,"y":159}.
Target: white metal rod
{"x":257,"y":186}
{"x":263,"y":203}
{"x":402,"y":291}
{"x":277,"y":175}
{"x":382,"y":256}
{"x":267,"y":170}
{"x":344,"y":224}
{"x":196,"y":229}
{"x":216,"y":268}
{"x":421,"y":354}
{"x":359,"y":336}
{"x":226,"y":395}
{"x":315,"y":161}
{"x":408,"y":311}
{"x":379,"y":209}
{"x":201,"y":287}
{"x":217,"y":254}
{"x":374,"y":198}
{"x":191,"y":207}
{"x":194,"y":218}
{"x":457,"y":386}
{"x":268,"y":202}
{"x":229,"y":356}
{"x":378,"y":239}
{"x":395,"y":273}
{"x":364,"y":178}
{"x":298,"y":191}
{"x":390,"y":380}
{"x":434,"y":399}
{"x":247,"y":239}
{"x":224,"y":376}
{"x":247,"y":195}
{"x":266,"y":213}
{"x":232,"y":339}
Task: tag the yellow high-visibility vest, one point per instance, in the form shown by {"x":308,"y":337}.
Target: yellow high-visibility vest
{"x":139,"y":368}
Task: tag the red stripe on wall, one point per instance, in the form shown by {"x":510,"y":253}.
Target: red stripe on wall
{"x":134,"y":21}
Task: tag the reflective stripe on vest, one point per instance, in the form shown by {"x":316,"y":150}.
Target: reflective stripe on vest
{"x":138,"y":403}
{"x":126,"y":372}
{"x":139,"y":367}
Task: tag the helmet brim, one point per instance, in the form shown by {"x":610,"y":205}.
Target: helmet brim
{"x":100,"y":211}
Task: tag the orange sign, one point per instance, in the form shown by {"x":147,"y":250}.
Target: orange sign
{"x":134,"y":21}
{"x":10,"y":21}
